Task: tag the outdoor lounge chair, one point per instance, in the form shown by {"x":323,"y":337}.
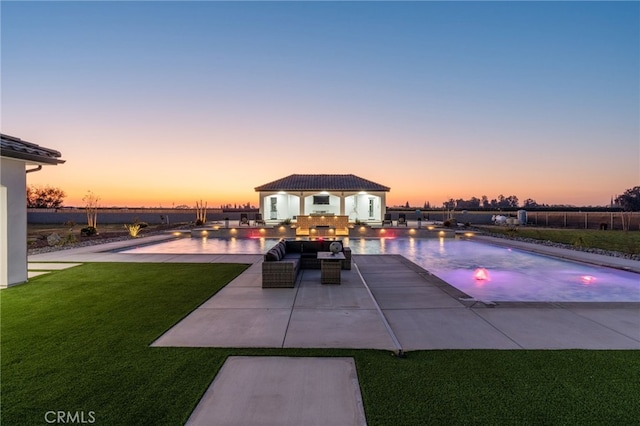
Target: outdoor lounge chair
{"x":402,"y":219}
{"x":259,"y":220}
{"x":387,"y":219}
{"x":244,"y":219}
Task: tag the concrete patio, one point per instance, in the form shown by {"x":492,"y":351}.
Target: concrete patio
{"x":389,"y":303}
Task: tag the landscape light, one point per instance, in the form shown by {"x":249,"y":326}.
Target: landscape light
{"x":481,"y":274}
{"x":588,"y":279}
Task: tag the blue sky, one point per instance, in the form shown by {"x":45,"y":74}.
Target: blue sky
{"x":167,"y":102}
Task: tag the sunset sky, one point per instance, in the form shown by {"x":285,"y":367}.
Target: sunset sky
{"x":165,"y":103}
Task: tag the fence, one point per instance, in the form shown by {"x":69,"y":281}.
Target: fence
{"x":551,"y":219}
{"x":116,"y":216}
{"x":585,"y":220}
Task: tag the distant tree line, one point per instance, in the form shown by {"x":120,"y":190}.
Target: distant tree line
{"x":483,"y":202}
{"x":628,"y":201}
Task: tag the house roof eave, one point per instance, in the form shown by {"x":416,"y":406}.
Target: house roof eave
{"x":31,"y":153}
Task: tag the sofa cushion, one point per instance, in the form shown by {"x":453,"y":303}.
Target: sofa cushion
{"x":294,"y":246}
{"x":281,"y":248}
{"x":310,"y":247}
{"x":272,"y":255}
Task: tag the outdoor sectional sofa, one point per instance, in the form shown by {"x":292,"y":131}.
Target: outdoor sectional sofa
{"x":283,"y":261}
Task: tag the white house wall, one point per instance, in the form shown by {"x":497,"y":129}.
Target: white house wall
{"x":332,"y":208}
{"x":287,"y":205}
{"x":294,"y":206}
{"x":14,"y":218}
{"x":4,"y":258}
{"x":357,"y":206}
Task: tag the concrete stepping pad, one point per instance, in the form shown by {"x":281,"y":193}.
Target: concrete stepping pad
{"x":50,"y":266}
{"x":282,"y":391}
{"x":33,"y":274}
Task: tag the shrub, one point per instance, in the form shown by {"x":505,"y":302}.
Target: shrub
{"x":143,"y":224}
{"x":286,"y":222}
{"x":447,"y":223}
{"x":70,"y":239}
{"x":133,"y":229}
{"x":88,"y":231}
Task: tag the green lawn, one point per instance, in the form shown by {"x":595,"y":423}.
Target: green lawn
{"x":78,"y":340}
{"x":621,"y":241}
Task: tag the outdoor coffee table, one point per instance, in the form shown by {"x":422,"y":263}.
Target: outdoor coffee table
{"x":330,"y":267}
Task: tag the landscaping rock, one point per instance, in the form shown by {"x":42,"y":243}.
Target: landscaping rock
{"x":54,"y":240}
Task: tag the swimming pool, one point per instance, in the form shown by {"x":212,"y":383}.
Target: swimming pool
{"x":483,"y":271}
{"x":207,"y":246}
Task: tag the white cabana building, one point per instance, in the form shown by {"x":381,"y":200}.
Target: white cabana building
{"x":16,"y":155}
{"x":340,"y":195}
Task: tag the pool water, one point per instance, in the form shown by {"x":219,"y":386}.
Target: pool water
{"x":483,"y":271}
{"x":208,"y":246}
{"x":496,"y":273}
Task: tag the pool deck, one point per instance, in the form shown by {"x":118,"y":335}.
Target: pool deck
{"x":385,"y":302}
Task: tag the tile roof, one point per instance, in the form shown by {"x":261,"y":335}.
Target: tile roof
{"x":322,"y":183}
{"x":13,"y":147}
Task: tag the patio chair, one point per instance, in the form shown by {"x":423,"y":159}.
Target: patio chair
{"x":259,"y":220}
{"x":402,"y":219}
{"x":244,"y":219}
{"x":387,"y":219}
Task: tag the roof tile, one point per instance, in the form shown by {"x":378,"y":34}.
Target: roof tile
{"x":13,"y":147}
{"x":322,"y":182}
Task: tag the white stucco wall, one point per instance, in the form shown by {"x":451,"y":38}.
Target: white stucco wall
{"x":332,"y":208}
{"x":13,"y":242}
{"x":4,"y":274}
